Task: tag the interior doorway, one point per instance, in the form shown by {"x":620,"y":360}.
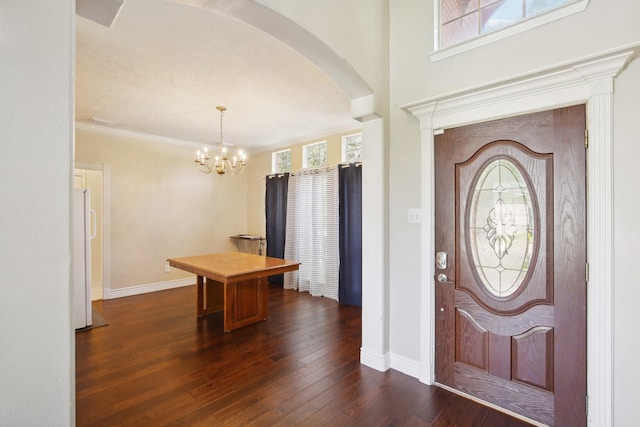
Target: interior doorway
{"x":93,"y":180}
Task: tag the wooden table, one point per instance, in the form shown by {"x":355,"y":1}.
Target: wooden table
{"x":236,"y":282}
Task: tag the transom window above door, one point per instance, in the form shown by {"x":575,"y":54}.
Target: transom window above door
{"x":465,"y":24}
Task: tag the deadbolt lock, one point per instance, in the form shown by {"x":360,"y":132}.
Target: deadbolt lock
{"x":441,"y":260}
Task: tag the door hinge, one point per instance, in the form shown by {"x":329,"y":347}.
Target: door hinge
{"x":587,"y":405}
{"x":587,"y":271}
{"x":586,"y":138}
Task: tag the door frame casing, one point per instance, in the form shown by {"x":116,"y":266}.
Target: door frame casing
{"x":106,"y":221}
{"x":588,"y":81}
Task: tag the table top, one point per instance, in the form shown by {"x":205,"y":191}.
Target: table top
{"x":228,"y":267}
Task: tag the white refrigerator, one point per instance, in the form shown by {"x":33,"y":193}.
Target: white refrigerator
{"x":83,"y":232}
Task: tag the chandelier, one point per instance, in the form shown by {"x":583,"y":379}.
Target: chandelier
{"x":220,"y":163}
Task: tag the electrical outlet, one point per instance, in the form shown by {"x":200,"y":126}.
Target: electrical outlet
{"x":167,"y":268}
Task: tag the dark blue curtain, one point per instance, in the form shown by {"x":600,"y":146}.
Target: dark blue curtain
{"x":276,"y":215}
{"x":350,"y":196}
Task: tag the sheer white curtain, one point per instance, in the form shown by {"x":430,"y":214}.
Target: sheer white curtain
{"x":312,"y":232}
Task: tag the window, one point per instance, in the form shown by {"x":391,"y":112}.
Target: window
{"x":352,"y":148}
{"x":281,"y":161}
{"x":502,"y":227}
{"x":314,"y":155}
{"x":464,"y":21}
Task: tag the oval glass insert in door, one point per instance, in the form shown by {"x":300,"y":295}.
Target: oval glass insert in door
{"x":501,"y":227}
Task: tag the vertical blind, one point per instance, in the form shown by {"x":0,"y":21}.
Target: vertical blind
{"x":312,"y":232}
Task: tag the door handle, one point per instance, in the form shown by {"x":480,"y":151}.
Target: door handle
{"x":94,"y":220}
{"x":442,"y":278}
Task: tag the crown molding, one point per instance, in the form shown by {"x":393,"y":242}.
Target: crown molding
{"x":191,"y":144}
{"x":342,"y":130}
{"x":137,"y":135}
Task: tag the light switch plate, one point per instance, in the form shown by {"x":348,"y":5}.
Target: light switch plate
{"x":415,"y":216}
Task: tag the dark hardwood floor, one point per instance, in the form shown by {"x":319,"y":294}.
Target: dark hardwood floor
{"x":156,"y":364}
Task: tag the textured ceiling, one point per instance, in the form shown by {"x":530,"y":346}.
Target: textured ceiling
{"x":163,"y":67}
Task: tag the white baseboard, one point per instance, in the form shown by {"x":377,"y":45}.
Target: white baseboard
{"x":144,"y":289}
{"x":377,"y":361}
{"x":405,"y":365}
{"x":384,"y":362}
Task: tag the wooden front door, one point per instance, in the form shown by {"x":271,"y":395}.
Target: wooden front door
{"x":511,"y":264}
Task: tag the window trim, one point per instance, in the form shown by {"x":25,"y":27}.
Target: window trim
{"x":485,"y":39}
{"x":273,"y":160}
{"x":305,"y":159}
{"x":344,"y":139}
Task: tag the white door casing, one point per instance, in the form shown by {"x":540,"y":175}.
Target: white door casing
{"x":588,"y":81}
{"x":106,"y":222}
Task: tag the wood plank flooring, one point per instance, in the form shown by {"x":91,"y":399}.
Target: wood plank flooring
{"x":156,"y":364}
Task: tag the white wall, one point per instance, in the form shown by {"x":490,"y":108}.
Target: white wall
{"x":604,"y":26}
{"x":410,"y":37}
{"x":36,"y":336}
{"x":626,"y":175}
{"x":355,"y":30}
{"x":36,"y":123}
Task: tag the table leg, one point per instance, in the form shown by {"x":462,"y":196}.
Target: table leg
{"x":200,"y":304}
{"x":210,"y":296}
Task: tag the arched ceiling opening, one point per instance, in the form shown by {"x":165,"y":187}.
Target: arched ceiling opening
{"x":162,"y":67}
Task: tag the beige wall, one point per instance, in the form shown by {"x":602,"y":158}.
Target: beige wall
{"x":161,"y":206}
{"x":260,"y":166}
